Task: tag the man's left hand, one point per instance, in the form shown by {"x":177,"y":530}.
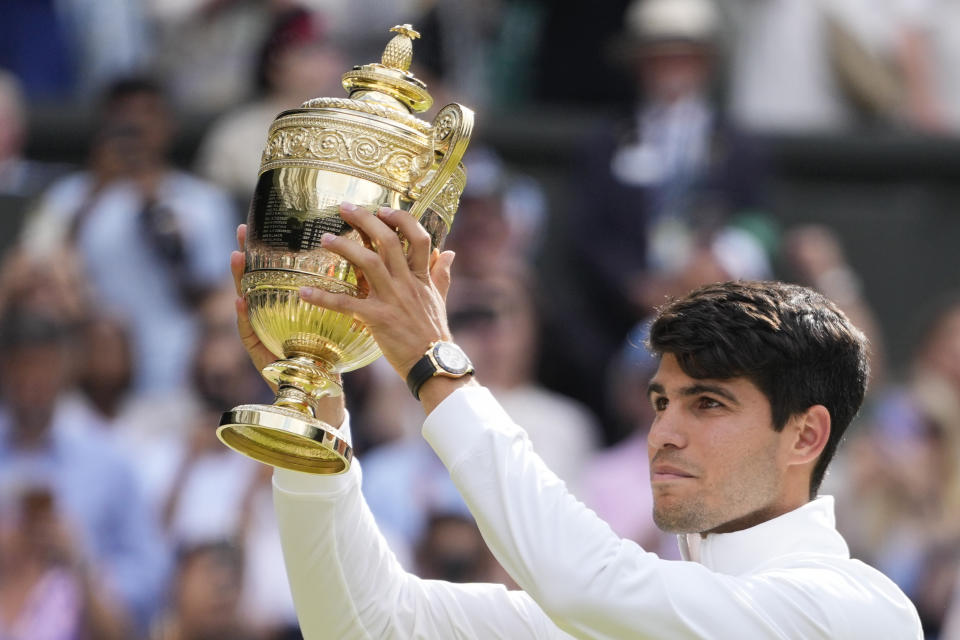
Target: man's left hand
{"x":405,"y":309}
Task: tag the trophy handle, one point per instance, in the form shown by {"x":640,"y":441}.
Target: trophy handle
{"x":451,"y":135}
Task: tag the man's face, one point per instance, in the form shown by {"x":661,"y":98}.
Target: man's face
{"x":716,"y":464}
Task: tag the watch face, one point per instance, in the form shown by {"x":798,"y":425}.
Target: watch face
{"x":451,"y":358}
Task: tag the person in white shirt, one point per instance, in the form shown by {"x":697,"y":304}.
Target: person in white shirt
{"x":755,"y":387}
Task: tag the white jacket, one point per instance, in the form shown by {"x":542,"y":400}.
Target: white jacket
{"x":790,"y":577}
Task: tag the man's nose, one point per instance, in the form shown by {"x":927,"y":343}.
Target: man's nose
{"x":667,"y":430}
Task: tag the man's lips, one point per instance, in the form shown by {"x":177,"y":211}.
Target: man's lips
{"x":662,"y":472}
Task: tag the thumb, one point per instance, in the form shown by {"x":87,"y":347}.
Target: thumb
{"x":440,"y":272}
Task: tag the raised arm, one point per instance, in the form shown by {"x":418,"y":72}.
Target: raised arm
{"x":588,"y":581}
{"x":348,"y":585}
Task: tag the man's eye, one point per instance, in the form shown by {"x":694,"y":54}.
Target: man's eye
{"x":709,"y":403}
{"x":660,"y":403}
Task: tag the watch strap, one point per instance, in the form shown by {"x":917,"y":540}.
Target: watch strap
{"x":422,"y":371}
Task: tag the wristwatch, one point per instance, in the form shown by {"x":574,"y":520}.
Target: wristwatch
{"x":441,"y":359}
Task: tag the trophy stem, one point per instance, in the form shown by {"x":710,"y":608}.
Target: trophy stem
{"x":301,"y":380}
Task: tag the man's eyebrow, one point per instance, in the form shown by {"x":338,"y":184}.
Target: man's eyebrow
{"x":697,"y":389}
{"x":654,"y":387}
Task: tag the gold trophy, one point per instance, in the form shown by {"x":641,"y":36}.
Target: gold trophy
{"x":370,"y":150}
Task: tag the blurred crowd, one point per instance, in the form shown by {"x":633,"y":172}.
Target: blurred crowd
{"x":122,"y":516}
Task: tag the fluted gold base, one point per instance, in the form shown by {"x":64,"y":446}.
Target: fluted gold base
{"x":287,"y":433}
{"x":286,"y":438}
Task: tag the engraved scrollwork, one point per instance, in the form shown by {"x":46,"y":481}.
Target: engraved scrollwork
{"x":366,"y":152}
{"x":449,"y":197}
{"x":401,"y":165}
{"x":387,"y":159}
{"x":444,"y":126}
{"x":327,"y":144}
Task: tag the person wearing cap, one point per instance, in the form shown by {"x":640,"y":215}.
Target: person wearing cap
{"x":756,"y":383}
{"x":296,"y":62}
{"x":671,"y":169}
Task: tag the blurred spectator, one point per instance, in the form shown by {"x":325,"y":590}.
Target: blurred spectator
{"x":205,"y":492}
{"x":501,"y":217}
{"x":53,"y":285}
{"x":198,"y":483}
{"x":814,"y":257}
{"x":493,"y":318}
{"x":206,"y":48}
{"x":824,"y":66}
{"x":673,"y":171}
{"x":452,"y":549}
{"x":206,"y":596}
{"x":46,"y":591}
{"x":296,"y":62}
{"x":152,"y":238}
{"x":105,"y":366}
{"x":484,"y":51}
{"x":101,"y":519}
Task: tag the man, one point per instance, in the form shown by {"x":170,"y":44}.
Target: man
{"x":153,"y":239}
{"x":756,"y":384}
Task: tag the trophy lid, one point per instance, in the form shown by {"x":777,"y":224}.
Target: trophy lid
{"x":391,"y":78}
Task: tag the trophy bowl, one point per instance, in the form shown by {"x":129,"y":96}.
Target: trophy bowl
{"x":369,"y":150}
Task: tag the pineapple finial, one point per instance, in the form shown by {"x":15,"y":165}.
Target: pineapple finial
{"x":399,"y":51}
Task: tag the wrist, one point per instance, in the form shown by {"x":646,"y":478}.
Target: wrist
{"x":438,"y":388}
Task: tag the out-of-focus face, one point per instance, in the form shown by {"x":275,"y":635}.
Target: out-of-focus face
{"x":493,"y":320}
{"x":667,"y":76}
{"x":223,"y":376}
{"x":31,"y":378}
{"x":716,"y":464}
{"x":139,"y":127}
{"x":208,"y":596}
{"x":307,"y":71}
{"x":107,"y":364}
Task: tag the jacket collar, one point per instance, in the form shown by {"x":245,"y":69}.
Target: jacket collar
{"x":809,"y":529}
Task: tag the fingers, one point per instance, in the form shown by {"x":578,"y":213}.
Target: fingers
{"x":440,"y":272}
{"x":244,"y":328}
{"x":236,"y":268}
{"x":335,"y":301}
{"x":418,"y":255}
{"x":242,"y":237}
{"x":259,"y":354}
{"x":384,"y":239}
{"x":369,"y":263}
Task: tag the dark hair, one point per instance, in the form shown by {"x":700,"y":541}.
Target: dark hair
{"x":292,"y":27}
{"x":224,"y":552}
{"x":23,"y":327}
{"x":127,"y":86}
{"x":794,"y":344}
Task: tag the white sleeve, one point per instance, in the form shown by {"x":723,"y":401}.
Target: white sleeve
{"x":347,"y":584}
{"x":590,"y":582}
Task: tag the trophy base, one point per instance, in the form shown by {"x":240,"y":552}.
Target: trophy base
{"x":285,"y":438}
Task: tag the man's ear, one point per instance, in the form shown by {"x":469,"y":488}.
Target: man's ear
{"x":812,"y":431}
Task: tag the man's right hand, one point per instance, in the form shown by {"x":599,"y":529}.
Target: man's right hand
{"x":330,"y":409}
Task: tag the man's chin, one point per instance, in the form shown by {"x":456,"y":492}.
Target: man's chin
{"x":678,"y":521}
